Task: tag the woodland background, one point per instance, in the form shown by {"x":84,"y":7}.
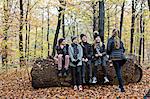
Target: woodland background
{"x":29,"y":29}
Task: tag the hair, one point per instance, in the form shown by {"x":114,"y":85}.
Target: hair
{"x":60,"y":41}
{"x":116,"y":38}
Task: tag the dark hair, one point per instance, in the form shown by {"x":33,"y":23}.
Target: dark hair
{"x":60,"y":41}
{"x":116,"y":31}
{"x":96,"y":34}
{"x":82,"y":35}
{"x":73,"y":37}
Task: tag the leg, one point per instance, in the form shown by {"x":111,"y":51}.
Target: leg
{"x":67,"y":61}
{"x":60,"y":57}
{"x":118,"y":73}
{"x":90,"y":71}
{"x":83,"y":72}
{"x":78,"y":75}
{"x":73,"y":74}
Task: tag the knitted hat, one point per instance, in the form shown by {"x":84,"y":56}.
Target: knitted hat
{"x":73,"y":37}
{"x":82,"y":35}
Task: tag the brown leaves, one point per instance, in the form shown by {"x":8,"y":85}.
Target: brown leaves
{"x":17,"y":85}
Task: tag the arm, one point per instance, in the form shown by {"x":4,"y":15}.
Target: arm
{"x":71,"y":53}
{"x":122,"y":47}
{"x":109,"y":49}
{"x":80,"y":53}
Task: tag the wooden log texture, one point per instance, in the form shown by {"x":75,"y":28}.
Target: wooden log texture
{"x":44,"y":73}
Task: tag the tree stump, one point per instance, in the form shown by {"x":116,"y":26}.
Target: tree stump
{"x":44,"y":73}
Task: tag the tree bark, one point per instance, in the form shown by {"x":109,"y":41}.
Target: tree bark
{"x":35,"y":42}
{"x":101,"y":19}
{"x":58,"y":28}
{"x":48,"y":31}
{"x":20,"y":34}
{"x":121,"y":18}
{"x":44,"y":73}
{"x":42,"y":33}
{"x":132,"y":27}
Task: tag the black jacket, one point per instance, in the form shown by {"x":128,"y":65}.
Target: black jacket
{"x":87,"y":50}
{"x":63,"y":51}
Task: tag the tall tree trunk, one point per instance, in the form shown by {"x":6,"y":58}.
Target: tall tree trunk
{"x":101,"y":19}
{"x":132,"y":27}
{"x":42,"y":33}
{"x":108,"y":26}
{"x":94,"y":17}
{"x":148,"y":4}
{"x":121,"y":18}
{"x":29,"y":26}
{"x":143,"y":41}
{"x":48,"y":31}
{"x":26,"y":38}
{"x":5,"y":32}
{"x":63,"y":25}
{"x":20,"y":34}
{"x":57,"y":30}
{"x":35,"y":42}
{"x":141,"y":36}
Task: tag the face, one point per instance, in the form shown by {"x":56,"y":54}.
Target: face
{"x":97,"y":40}
{"x":63,"y":42}
{"x":75,"y":40}
{"x":84,"y":39}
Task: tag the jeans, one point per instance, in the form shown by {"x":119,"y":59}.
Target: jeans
{"x":76,"y":75}
{"x":89,"y":67}
{"x":118,"y":65}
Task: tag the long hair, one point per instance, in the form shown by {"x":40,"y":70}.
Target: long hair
{"x":116,"y":38}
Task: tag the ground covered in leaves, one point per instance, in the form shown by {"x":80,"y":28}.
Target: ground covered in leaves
{"x":16,"y":84}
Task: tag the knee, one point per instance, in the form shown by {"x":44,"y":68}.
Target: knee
{"x":66,"y":56}
{"x":60,"y":56}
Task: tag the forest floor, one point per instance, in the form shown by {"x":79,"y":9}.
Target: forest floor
{"x":16,"y":84}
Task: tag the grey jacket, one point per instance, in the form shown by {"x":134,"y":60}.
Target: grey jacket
{"x":79,"y":56}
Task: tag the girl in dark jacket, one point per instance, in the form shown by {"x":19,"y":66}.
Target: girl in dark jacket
{"x":115,"y":49}
{"x":62,"y":57}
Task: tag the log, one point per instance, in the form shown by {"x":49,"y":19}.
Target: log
{"x":44,"y":73}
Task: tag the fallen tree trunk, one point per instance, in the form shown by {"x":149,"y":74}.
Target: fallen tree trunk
{"x":44,"y":73}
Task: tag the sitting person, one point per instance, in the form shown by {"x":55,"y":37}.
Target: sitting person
{"x":100,"y":58}
{"x":87,"y":57}
{"x":62,"y":57}
{"x":76,"y":54}
{"x":115,"y":49}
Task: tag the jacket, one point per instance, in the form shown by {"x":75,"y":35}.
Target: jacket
{"x":79,"y":55}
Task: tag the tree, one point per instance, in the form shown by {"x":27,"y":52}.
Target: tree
{"x":58,"y":27}
{"x":101,"y":19}
{"x":48,"y":30}
{"x":121,"y":18}
{"x":132,"y":26}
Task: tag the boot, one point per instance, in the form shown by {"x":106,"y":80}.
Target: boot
{"x":59,"y":73}
{"x":65,"y":72}
{"x":90,"y":80}
{"x":83,"y":80}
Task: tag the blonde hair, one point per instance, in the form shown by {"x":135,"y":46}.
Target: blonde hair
{"x":116,"y":38}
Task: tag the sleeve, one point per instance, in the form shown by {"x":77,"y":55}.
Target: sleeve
{"x":71,"y":53}
{"x":109,"y":47}
{"x":122,"y":47}
{"x":80,"y":53}
{"x":90,"y":51}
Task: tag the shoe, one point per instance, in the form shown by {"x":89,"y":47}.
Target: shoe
{"x":121,"y":89}
{"x":83,"y":81}
{"x":106,"y":80}
{"x":94,"y":80}
{"x":59,"y":73}
{"x":65,"y":73}
{"x":75,"y":87}
{"x":90,"y":81}
{"x":80,"y":88}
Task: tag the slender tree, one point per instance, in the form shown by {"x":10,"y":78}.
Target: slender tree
{"x":48,"y":30}
{"x":35,"y":45}
{"x":121,"y":18}
{"x":42,"y":32}
{"x":101,"y":19}
{"x":132,"y":26}
{"x":20,"y":33}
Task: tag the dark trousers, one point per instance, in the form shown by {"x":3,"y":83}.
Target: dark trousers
{"x":89,"y":69}
{"x":104,"y":68}
{"x":118,"y":64}
{"x":76,"y":75}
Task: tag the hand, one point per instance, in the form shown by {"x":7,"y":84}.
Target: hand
{"x":77,"y":61}
{"x":86,"y":60}
{"x":100,"y":54}
{"x":83,"y":59}
{"x":96,"y":55}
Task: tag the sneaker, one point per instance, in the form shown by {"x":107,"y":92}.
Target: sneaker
{"x":80,"y":88}
{"x":94,"y":80}
{"x":121,"y":89}
{"x":90,"y":81}
{"x":106,"y":80}
{"x":83,"y":81}
{"x":75,"y":87}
